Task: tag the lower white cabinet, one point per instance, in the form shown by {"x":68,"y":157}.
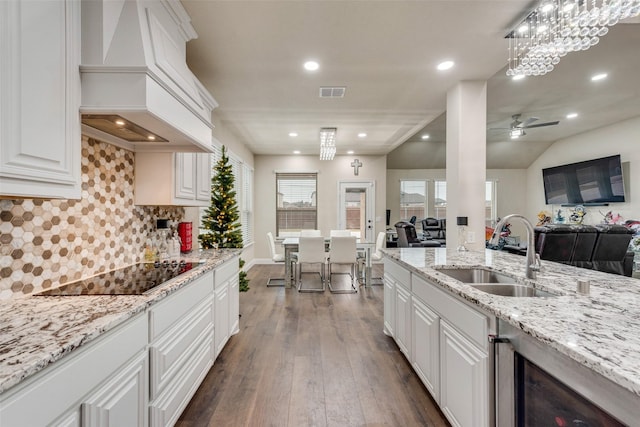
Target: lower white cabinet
{"x":464,"y":388}
{"x":122,"y":400}
{"x":226,"y":303}
{"x":103,"y":383}
{"x":444,"y":339}
{"x":403,"y":320}
{"x":180,"y":352}
{"x":425,"y":357}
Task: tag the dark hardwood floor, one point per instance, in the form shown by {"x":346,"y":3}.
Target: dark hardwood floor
{"x":308,"y":359}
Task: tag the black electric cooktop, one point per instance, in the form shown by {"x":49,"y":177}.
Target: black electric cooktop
{"x":133,"y":280}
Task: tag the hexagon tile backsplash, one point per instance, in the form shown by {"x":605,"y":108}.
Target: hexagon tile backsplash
{"x":44,"y":243}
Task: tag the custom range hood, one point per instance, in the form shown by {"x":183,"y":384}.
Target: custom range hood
{"x":137,"y":91}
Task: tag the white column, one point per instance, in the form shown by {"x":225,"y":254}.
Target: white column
{"x":466,"y":161}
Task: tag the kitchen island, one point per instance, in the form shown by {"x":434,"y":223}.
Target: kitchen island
{"x":599,"y":331}
{"x":41,"y":335}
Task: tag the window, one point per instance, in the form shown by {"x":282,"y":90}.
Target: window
{"x":413,"y":199}
{"x":440,"y":200}
{"x":296,"y":206}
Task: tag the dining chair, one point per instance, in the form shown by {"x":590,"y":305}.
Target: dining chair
{"x":339,"y":233}
{"x":376,"y":257}
{"x":277,"y":258}
{"x":310,"y":233}
{"x":343,"y":251}
{"x":311,"y":251}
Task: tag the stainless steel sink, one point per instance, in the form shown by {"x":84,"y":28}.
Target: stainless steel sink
{"x":477,"y":275}
{"x":493,"y":282}
{"x":510,"y":290}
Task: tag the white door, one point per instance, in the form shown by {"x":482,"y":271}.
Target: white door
{"x":356,"y":208}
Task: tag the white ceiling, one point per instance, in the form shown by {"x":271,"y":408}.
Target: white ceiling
{"x":249,"y":55}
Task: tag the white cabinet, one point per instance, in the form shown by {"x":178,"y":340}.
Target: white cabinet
{"x":172,"y":179}
{"x":463,"y":372}
{"x":180,"y":353}
{"x":122,"y":400}
{"x":389,"y":305}
{"x":40,"y":143}
{"x":425,"y":357}
{"x":403,"y":320}
{"x":105,"y":381}
{"x":226,"y":303}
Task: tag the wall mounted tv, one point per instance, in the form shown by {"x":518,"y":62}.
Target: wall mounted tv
{"x":597,"y":181}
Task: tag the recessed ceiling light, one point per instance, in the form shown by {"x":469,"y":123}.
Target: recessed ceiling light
{"x":350,"y":152}
{"x":120,"y":122}
{"x":362,"y":135}
{"x":600,"y":76}
{"x":425,"y":136}
{"x":296,"y":151}
{"x":572,"y":115}
{"x":311,"y":65}
{"x":293,"y":134}
{"x":445,"y":65}
{"x":151,"y":137}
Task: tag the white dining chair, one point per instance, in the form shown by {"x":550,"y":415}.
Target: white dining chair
{"x":339,"y":233}
{"x":377,"y":255}
{"x":343,"y":251}
{"x":277,"y":258}
{"x":310,"y":233}
{"x":311,"y":251}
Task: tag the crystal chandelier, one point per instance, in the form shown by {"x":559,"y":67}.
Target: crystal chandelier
{"x":557,"y":27}
{"x":327,"y":143}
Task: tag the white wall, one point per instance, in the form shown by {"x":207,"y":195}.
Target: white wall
{"x":510,"y":195}
{"x":329,"y":173}
{"x":621,"y":138}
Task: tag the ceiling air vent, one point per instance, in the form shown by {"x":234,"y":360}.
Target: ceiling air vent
{"x":332,"y":92}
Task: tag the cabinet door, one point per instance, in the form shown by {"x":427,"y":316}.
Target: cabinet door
{"x":122,"y":400}
{"x":203,"y":177}
{"x":185,"y":176}
{"x":389,"y":306}
{"x":403,"y":321}
{"x":464,"y":387}
{"x":221,"y":314}
{"x":234,"y":306}
{"x":425,"y":331}
{"x":40,"y":85}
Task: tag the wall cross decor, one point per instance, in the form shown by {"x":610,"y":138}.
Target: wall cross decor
{"x":356,"y":166}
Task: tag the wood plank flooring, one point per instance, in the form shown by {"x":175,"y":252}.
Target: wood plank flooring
{"x":310,"y":359}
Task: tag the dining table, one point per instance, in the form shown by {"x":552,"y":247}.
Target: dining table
{"x":290,"y":245}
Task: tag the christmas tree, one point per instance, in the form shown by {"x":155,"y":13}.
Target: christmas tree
{"x":221,"y":219}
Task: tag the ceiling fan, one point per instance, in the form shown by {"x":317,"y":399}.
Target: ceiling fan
{"x":517,"y":126}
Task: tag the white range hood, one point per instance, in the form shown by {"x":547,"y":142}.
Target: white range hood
{"x":137,"y":91}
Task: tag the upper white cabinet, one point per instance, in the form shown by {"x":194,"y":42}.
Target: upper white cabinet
{"x":173,"y":179}
{"x":39,"y":99}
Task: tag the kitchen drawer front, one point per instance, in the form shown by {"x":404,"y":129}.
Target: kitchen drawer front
{"x":226,"y":271}
{"x":166,"y":409}
{"x":400,"y":274}
{"x":473,"y":324}
{"x":165,"y":314}
{"x":177,"y":345}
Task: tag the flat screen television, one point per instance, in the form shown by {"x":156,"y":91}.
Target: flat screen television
{"x":594,"y":181}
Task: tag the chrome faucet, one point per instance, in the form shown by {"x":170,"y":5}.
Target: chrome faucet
{"x":533,"y":259}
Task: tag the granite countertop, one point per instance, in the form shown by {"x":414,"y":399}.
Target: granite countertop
{"x":37,"y":331}
{"x":600,"y":331}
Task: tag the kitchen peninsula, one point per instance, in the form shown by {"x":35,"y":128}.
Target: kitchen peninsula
{"x":136,"y":359}
{"x":442,"y":326}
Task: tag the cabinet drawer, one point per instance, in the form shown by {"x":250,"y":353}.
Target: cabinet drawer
{"x":176,"y":346}
{"x":400,"y":274}
{"x":165,"y":410}
{"x":466,"y":319}
{"x":226,"y":271}
{"x":163,"y":315}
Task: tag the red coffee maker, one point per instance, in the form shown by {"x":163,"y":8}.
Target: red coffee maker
{"x":184,"y":232}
